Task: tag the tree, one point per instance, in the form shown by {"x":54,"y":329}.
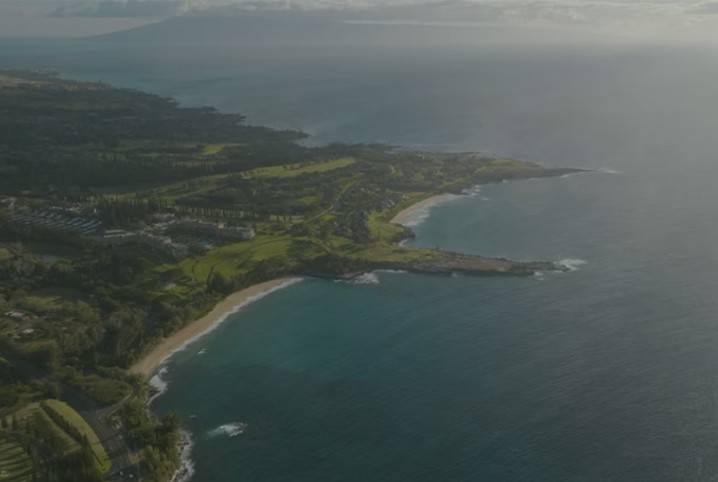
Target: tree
{"x":219,"y":283}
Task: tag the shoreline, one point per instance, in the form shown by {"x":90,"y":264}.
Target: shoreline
{"x":151,"y":365}
{"x":404,"y":216}
{"x":153,"y":360}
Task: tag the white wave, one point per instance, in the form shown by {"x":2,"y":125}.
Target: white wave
{"x":540,"y":275}
{"x":421,"y":212}
{"x":186,"y":469}
{"x":202,"y":351}
{"x":160,"y":384}
{"x":572,"y":264}
{"x":391,"y":271}
{"x":472,"y":191}
{"x":370,"y":278}
{"x":366,"y":279}
{"x":418,"y":217}
{"x":607,"y":170}
{"x":233,"y":429}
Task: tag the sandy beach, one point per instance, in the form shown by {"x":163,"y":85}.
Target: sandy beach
{"x":149,"y":363}
{"x":405,"y":215}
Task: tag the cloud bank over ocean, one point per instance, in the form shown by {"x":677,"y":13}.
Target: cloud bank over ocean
{"x":650,"y":19}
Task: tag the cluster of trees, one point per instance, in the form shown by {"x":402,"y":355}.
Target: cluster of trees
{"x":122,"y":212}
{"x":157,"y":441}
{"x":51,"y":460}
{"x":57,"y":133}
{"x":65,"y":140}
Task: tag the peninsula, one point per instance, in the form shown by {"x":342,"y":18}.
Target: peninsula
{"x":129,"y":225}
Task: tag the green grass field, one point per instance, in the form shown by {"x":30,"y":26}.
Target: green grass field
{"x":293,"y":170}
{"x":238,"y":258}
{"x":34,"y":410}
{"x":15,"y":463}
{"x":69,"y":414}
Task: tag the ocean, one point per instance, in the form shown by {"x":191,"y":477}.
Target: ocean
{"x":608,"y":372}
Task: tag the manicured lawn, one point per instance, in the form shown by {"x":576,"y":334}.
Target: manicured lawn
{"x":293,"y":170}
{"x":237,"y":258}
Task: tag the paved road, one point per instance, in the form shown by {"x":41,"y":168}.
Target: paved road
{"x":122,"y":466}
{"x":122,"y":469}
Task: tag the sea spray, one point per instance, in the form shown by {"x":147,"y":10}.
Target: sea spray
{"x":370,"y":277}
{"x":158,"y":385}
{"x":186,"y":469}
{"x":572,"y":264}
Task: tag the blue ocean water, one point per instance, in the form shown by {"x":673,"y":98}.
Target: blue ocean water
{"x":605,"y":373}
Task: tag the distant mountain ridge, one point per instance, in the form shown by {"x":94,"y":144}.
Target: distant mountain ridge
{"x":334,"y":27}
{"x":119,"y":8}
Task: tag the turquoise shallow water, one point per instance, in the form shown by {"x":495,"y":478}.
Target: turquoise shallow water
{"x":606,"y":373}
{"x":587,"y":375}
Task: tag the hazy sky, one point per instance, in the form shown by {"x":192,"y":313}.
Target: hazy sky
{"x":28,"y":18}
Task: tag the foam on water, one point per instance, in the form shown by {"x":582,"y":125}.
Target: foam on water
{"x":418,"y":217}
{"x":472,"y":191}
{"x":572,"y":264}
{"x":370,"y":278}
{"x":158,"y":384}
{"x":391,"y":271}
{"x":607,"y":170}
{"x":186,"y":469}
{"x":421,"y":214}
{"x":232,"y":429}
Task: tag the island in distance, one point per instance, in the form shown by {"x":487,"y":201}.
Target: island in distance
{"x":125,"y":217}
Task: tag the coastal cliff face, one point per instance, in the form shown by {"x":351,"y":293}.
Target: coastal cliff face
{"x":455,"y":263}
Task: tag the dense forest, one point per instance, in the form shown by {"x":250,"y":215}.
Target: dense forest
{"x":76,"y":310}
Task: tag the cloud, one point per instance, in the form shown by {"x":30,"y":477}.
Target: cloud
{"x":710,"y":8}
{"x":118,"y":8}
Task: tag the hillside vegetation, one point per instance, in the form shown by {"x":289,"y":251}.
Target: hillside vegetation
{"x":124,"y":216}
